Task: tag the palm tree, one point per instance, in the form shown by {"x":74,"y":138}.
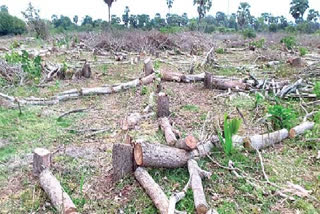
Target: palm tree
{"x":109,"y":3}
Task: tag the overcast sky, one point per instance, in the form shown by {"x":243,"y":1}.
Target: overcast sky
{"x":98,"y":9}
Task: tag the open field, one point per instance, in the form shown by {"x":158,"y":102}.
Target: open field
{"x":82,"y":155}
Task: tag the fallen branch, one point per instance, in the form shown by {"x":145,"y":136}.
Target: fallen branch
{"x":71,"y":112}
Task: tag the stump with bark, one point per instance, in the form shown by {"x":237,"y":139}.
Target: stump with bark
{"x":122,"y":161}
{"x":41,"y":160}
{"x":163,"y":105}
{"x":86,"y":70}
{"x":148,"y":67}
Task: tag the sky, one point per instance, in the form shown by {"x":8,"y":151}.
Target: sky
{"x":99,"y":10}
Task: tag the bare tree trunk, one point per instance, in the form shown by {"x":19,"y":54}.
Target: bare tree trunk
{"x":109,"y":13}
{"x":300,"y":129}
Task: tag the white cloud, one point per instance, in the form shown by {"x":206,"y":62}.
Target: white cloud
{"x":98,"y":9}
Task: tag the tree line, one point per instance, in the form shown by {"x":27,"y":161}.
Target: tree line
{"x":242,"y":20}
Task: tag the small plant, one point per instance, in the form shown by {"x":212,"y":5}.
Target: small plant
{"x":15,"y":44}
{"x":303,"y":51}
{"x":249,"y":34}
{"x":156,"y":65}
{"x":316,"y":89}
{"x":282,"y":117}
{"x":317,"y":118}
{"x":258,"y":43}
{"x":220,"y":51}
{"x":289,"y":42}
{"x":230,"y":128}
{"x":144,"y":90}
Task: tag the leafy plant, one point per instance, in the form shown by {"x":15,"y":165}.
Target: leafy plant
{"x":144,"y":90}
{"x":258,"y":43}
{"x":316,"y":89}
{"x":282,"y":117}
{"x":303,"y":51}
{"x":289,"y":42}
{"x":156,"y":65}
{"x":230,"y":128}
{"x":249,"y":33}
{"x":220,"y":51}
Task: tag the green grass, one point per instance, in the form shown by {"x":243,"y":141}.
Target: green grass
{"x":193,"y":108}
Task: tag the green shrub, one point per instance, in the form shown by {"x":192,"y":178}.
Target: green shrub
{"x":249,"y":33}
{"x":220,"y":51}
{"x":31,"y":66}
{"x":289,"y":42}
{"x":303,"y":51}
{"x":231,"y":128}
{"x":257,"y":43}
{"x":11,"y":24}
{"x":171,"y":29}
{"x":316,"y":89}
{"x":282,"y":117}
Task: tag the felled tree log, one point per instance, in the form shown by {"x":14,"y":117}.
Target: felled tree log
{"x":148,"y":67}
{"x":210,"y":82}
{"x":59,"y":198}
{"x":133,"y":119}
{"x":300,"y":129}
{"x":180,"y":77}
{"x":189,"y":143}
{"x":168,"y":131}
{"x":163,"y":105}
{"x":122,"y":161}
{"x":41,"y":160}
{"x":197,"y":188}
{"x":204,"y":149}
{"x":258,"y":142}
{"x":154,"y":191}
{"x":157,"y":155}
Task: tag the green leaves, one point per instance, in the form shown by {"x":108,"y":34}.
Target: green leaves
{"x":231,"y":127}
{"x":282,"y":117}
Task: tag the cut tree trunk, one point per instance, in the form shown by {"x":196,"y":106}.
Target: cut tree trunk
{"x":59,"y":198}
{"x":171,"y":76}
{"x":122,"y":161}
{"x":41,"y":160}
{"x":86,"y":70}
{"x":148,"y":67}
{"x":210,"y":82}
{"x":300,"y":129}
{"x":189,"y":143}
{"x":197,"y":188}
{"x":133,"y":119}
{"x":157,"y":155}
{"x":163,"y":105}
{"x":258,"y":142}
{"x":168,"y":131}
{"x":154,"y":191}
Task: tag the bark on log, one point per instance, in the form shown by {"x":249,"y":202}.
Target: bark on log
{"x":148,"y":67}
{"x":168,"y":131}
{"x":122,"y":161}
{"x":154,"y":191}
{"x":86,"y":70}
{"x":300,"y":129}
{"x":133,"y":119}
{"x":171,"y":76}
{"x":265,"y":140}
{"x":41,"y":160}
{"x":189,"y":143}
{"x":157,"y":155}
{"x":210,"y":82}
{"x":197,"y":188}
{"x":163,"y":105}
{"x":59,"y":198}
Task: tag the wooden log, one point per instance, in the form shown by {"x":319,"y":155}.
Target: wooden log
{"x":168,"y":131}
{"x":163,"y":105}
{"x":210,"y":82}
{"x":131,"y":121}
{"x":122,"y":161}
{"x":154,"y":191}
{"x":300,"y":129}
{"x":157,"y":155}
{"x":41,"y":160}
{"x":193,"y":78}
{"x":265,"y":140}
{"x":148,"y":67}
{"x":171,"y":76}
{"x":59,"y":198}
{"x":197,"y":188}
{"x":189,"y":143}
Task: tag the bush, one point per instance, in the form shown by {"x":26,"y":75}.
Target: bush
{"x":303,"y":51}
{"x":316,"y":89}
{"x":11,"y":24}
{"x":289,"y":42}
{"x":220,"y":51}
{"x":282,"y":117}
{"x":257,"y":43}
{"x":249,"y":33}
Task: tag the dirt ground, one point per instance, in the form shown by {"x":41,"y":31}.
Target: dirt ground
{"x":82,"y":163}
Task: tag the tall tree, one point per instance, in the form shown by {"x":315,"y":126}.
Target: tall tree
{"x":313,"y":15}
{"x":203,"y":6}
{"x":243,"y":14}
{"x":298,"y":8}
{"x":4,"y":8}
{"x":169,"y":3}
{"x":109,"y":3}
{"x":125,"y":16}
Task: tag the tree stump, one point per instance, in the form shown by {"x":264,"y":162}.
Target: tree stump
{"x":122,"y":161}
{"x":86,"y":70}
{"x":163,"y":105}
{"x":148,"y":67}
{"x":41,"y":160}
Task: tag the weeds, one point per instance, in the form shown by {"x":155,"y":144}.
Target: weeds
{"x":316,"y":89}
{"x":282,"y":117}
{"x":220,"y":51}
{"x":258,"y":43}
{"x":303,"y":51}
{"x":289,"y":42}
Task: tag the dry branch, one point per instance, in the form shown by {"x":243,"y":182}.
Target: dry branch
{"x":156,"y":194}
